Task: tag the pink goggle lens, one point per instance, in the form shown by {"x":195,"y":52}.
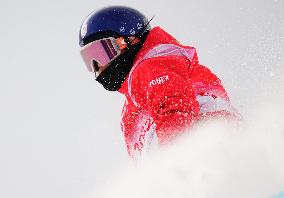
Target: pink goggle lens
{"x":101,"y":51}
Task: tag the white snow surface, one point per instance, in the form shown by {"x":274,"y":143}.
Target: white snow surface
{"x":217,"y":159}
{"x":60,"y":133}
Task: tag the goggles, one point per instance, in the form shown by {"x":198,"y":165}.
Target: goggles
{"x":102,"y":52}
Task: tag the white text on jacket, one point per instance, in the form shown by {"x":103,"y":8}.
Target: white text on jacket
{"x":159,"y":80}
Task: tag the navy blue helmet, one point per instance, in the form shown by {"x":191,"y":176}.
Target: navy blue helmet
{"x":113,"y":21}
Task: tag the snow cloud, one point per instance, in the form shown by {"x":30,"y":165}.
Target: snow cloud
{"x":217,"y":159}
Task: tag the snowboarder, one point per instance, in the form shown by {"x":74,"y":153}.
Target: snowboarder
{"x":166,"y":88}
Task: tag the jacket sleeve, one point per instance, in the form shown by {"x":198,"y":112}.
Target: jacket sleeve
{"x":211,"y":95}
{"x":138,"y":129}
{"x":167,"y":95}
{"x":128,"y":124}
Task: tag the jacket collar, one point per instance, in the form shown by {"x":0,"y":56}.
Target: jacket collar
{"x":155,"y":37}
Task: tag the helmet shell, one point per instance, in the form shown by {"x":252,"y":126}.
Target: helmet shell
{"x":122,"y":20}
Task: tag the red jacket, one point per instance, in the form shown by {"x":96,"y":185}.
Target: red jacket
{"x":166,"y":91}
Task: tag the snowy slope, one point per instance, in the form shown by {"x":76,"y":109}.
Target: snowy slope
{"x":218,"y":159}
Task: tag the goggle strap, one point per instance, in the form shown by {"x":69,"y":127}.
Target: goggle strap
{"x":134,"y":41}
